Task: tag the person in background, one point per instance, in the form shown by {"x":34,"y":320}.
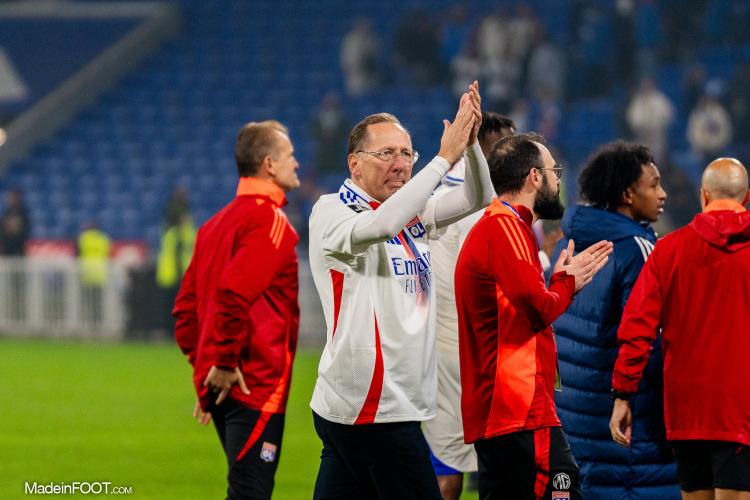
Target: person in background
{"x":359,"y":58}
{"x":178,"y":206}
{"x":694,"y":289}
{"x":710,"y":127}
{"x":175,"y":252}
{"x":15,"y":225}
{"x":329,"y":129}
{"x":15,"y":230}
{"x":94,"y":248}
{"x":621,"y":191}
{"x":649,"y":115}
{"x":416,"y":50}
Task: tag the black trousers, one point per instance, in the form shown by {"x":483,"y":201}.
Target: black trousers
{"x":374,"y":461}
{"x":528,"y":465}
{"x":252,"y":443}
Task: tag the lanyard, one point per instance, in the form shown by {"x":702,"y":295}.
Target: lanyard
{"x":513,"y":210}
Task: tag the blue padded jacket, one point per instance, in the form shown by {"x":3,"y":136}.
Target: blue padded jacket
{"x":586,"y":337}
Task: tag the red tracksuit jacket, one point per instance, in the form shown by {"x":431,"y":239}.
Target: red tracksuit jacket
{"x":238,"y":300}
{"x":506,"y":345}
{"x":696,"y":286}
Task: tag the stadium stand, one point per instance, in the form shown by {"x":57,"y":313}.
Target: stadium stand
{"x":173,"y":120}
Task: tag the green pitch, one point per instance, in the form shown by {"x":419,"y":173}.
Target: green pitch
{"x":121,"y":413}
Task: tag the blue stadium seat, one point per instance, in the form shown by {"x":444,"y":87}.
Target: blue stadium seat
{"x":174,"y":120}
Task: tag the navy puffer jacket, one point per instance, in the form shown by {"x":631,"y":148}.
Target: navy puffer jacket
{"x":586,"y":337}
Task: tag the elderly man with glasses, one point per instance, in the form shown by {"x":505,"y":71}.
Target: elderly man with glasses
{"x":369,"y":254}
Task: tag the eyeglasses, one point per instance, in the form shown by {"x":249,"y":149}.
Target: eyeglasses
{"x":388,"y":155}
{"x":557,"y":170}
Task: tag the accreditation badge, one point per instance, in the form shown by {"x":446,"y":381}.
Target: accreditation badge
{"x":558,"y":380}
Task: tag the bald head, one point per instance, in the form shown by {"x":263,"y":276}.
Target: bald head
{"x":725,"y":178}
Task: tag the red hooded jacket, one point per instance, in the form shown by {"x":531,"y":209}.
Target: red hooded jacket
{"x":238,"y":302}
{"x":696,"y":287}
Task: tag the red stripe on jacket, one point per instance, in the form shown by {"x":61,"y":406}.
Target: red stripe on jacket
{"x":337,"y":280}
{"x":541,"y":458}
{"x":370,"y":408}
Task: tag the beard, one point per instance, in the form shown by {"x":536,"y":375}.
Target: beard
{"x":547,"y":204}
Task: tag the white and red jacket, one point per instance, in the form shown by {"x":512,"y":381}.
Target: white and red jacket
{"x":378,"y":364}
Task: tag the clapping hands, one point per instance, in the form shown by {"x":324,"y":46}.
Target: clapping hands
{"x":464,"y":130}
{"x":584,"y":265}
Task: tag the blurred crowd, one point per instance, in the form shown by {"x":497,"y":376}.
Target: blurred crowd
{"x":535,"y":74}
{"x":656,"y":60}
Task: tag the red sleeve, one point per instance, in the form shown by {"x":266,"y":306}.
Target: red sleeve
{"x":514,"y":265}
{"x":639,"y":327}
{"x":249,"y":272}
{"x":185,"y":313}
